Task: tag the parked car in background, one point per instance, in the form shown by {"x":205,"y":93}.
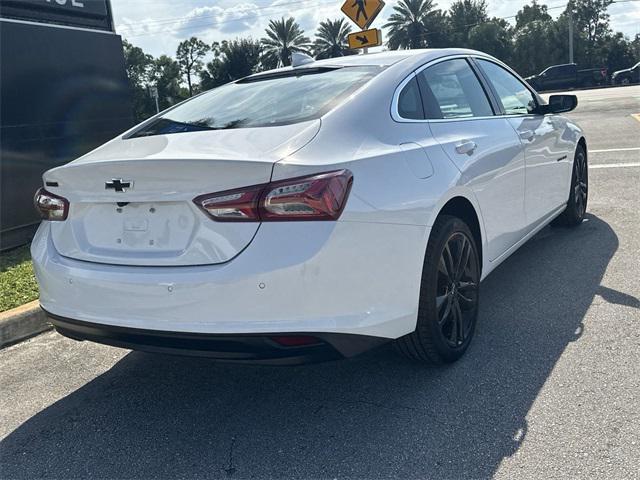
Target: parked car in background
{"x":560,"y":77}
{"x":626,"y":76}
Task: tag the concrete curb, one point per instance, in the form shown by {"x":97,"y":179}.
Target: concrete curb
{"x":21,"y":323}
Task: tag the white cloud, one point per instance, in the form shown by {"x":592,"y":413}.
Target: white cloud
{"x":158,"y":26}
{"x":237,"y":18}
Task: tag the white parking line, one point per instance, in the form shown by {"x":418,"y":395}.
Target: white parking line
{"x":630,"y":149}
{"x":615,"y":165}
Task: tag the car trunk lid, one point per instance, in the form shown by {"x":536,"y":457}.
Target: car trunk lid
{"x":131,"y":201}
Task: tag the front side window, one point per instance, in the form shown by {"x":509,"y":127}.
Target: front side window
{"x":280,"y":98}
{"x":515,"y":97}
{"x":450,"y":89}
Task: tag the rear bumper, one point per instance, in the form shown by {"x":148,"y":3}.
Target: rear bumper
{"x":332,"y":277}
{"x":253,"y":348}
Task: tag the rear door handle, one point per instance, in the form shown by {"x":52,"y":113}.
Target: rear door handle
{"x":526,"y":134}
{"x":466,"y":147}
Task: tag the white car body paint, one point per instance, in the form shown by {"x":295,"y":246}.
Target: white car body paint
{"x":358,"y":275}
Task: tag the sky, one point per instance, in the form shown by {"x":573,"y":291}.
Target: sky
{"x":159,"y":25}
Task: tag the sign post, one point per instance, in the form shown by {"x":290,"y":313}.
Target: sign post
{"x":153,"y":93}
{"x":363,"y":13}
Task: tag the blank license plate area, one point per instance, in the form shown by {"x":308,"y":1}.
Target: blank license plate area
{"x":136,"y":227}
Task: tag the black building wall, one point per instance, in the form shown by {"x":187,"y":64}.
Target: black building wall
{"x":64,"y":91}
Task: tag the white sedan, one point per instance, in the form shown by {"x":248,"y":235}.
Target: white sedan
{"x":311,"y":212}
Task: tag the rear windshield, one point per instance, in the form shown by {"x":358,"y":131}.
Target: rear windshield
{"x":279,"y":98}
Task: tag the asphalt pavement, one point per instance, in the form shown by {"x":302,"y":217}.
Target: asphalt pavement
{"x":550,"y":387}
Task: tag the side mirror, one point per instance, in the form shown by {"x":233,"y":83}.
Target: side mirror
{"x":560,"y":104}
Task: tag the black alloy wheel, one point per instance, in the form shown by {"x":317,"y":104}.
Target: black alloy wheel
{"x":574,"y":213}
{"x":457,"y":289}
{"x":449,"y":295}
{"x":581,"y":185}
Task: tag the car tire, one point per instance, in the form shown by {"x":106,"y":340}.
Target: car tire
{"x":573,"y":215}
{"x":449,"y":295}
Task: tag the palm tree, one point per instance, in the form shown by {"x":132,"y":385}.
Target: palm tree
{"x":408,"y":25}
{"x":331,"y":39}
{"x":284,"y":37}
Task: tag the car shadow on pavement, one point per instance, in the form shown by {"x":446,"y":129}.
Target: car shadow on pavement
{"x":375,"y":416}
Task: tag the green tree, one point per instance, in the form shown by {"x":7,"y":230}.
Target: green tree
{"x":165,"y":75}
{"x":331,"y":39}
{"x":190,"y":56}
{"x":439,"y":31}
{"x":591,"y":24}
{"x":635,"y":47}
{"x":138,"y":66}
{"x":559,"y":42}
{"x":136,"y":63}
{"x":232,"y":60}
{"x":463,"y":16}
{"x":493,"y":37}
{"x":408,"y":24}
{"x":618,"y":53}
{"x":533,"y":47}
{"x":531,"y":13}
{"x":284,"y":37}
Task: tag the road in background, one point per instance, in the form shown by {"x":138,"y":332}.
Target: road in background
{"x":549,"y":388}
{"x":610,"y":118}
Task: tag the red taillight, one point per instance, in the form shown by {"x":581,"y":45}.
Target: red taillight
{"x":50,"y":206}
{"x":316,"y":197}
{"x":239,"y":205}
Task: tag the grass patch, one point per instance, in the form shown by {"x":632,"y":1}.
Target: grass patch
{"x":17,"y":281}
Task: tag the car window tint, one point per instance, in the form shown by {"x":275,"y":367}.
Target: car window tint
{"x":452,"y":90}
{"x":272,"y":99}
{"x":516,"y":99}
{"x":409,"y":102}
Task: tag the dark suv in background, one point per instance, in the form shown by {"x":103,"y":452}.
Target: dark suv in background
{"x":626,"y":76}
{"x":561,"y":77}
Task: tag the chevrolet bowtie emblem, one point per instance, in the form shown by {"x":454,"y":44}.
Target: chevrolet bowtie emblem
{"x":118,"y":184}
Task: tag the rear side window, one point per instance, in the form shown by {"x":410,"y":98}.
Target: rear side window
{"x":450,"y":89}
{"x":280,"y":98}
{"x":409,"y":101}
{"x":516,"y":99}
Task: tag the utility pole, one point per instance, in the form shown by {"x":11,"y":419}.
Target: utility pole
{"x":570,"y":34}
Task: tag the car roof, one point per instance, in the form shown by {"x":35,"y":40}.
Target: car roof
{"x":381,"y":59}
